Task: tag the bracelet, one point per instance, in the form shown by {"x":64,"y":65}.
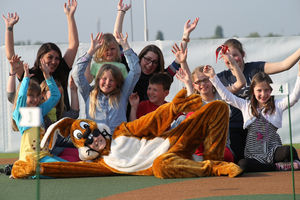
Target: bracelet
{"x":186,"y":39}
{"x":122,"y":11}
{"x":9,"y":74}
{"x":10,"y":28}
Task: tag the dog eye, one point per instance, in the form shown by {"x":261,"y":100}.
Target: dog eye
{"x":77,"y":134}
{"x":84,"y":125}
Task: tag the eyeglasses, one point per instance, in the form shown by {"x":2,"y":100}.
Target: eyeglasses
{"x":198,"y":82}
{"x":148,"y":61}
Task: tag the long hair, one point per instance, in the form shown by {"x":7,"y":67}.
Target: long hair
{"x":45,"y":48}
{"x":33,"y":88}
{"x":114,"y":96}
{"x":235,"y":44}
{"x":60,"y":107}
{"x":108,"y":39}
{"x":157,"y":51}
{"x":270,"y":105}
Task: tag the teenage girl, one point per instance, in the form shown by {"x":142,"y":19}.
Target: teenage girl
{"x":262,"y":117}
{"x":106,"y":101}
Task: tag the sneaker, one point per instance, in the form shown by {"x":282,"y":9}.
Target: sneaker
{"x":7,"y":169}
{"x":286,"y":166}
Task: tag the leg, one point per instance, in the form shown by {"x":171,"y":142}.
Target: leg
{"x":170,"y":165}
{"x":252,"y":165}
{"x":283,"y":154}
{"x":207,"y":126}
{"x":158,"y":121}
{"x":237,"y":142}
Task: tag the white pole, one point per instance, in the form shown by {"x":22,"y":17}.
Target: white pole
{"x":131,"y":21}
{"x":145,"y":22}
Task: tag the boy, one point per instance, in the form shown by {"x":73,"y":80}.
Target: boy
{"x":158,"y":89}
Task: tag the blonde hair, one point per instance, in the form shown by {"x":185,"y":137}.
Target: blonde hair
{"x":33,"y":88}
{"x":108,"y":39}
{"x":114,"y":96}
{"x":197,"y":70}
{"x":60,"y":107}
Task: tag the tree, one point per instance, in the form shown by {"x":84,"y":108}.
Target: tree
{"x":253,"y":35}
{"x":159,"y":35}
{"x":219,"y":32}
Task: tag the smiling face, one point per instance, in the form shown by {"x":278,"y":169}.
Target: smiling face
{"x":52,"y":59}
{"x":111,"y":53}
{"x":202,"y":84}
{"x":157,"y":94}
{"x":107,"y":82}
{"x":98,"y":144}
{"x":262,"y":92}
{"x":33,"y":99}
{"x":237,"y":56}
{"x":149,"y":63}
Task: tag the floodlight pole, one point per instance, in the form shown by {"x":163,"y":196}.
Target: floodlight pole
{"x":131,"y":22}
{"x":145,"y":22}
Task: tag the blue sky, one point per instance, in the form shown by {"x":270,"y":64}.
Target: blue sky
{"x":44,"y":20}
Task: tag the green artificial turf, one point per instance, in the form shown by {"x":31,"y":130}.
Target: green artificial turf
{"x":76,"y":188}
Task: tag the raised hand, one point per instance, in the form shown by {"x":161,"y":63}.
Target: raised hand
{"x":188,"y":28}
{"x":70,"y":8}
{"x":209,"y":71}
{"x":180,"y":53}
{"x":11,"y":19}
{"x":26,"y":70}
{"x":16,"y":64}
{"x":45,"y":68}
{"x":122,"y":40}
{"x":123,"y":7}
{"x":96,"y":43}
{"x":72,"y":84}
{"x":183,"y":76}
{"x":134,"y":100}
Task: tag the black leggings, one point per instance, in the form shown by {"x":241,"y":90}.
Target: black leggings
{"x":282,"y":154}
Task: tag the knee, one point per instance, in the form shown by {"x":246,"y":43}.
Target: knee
{"x":243,"y":164}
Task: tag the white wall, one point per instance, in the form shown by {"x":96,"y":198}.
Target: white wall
{"x":200,"y":52}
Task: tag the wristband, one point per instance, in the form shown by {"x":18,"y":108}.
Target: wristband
{"x":122,"y":11}
{"x":186,"y":39}
{"x":10,"y":28}
{"x":9,"y":74}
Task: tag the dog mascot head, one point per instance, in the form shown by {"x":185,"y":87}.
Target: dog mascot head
{"x":82,"y":133}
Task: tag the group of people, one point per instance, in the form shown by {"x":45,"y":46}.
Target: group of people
{"x":127,"y":86}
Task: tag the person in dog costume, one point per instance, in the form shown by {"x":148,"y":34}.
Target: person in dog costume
{"x":145,"y":146}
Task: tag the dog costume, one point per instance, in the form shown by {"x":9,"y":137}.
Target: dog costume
{"x":146,"y":146}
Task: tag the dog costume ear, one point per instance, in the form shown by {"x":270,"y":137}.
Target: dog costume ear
{"x":61,"y":127}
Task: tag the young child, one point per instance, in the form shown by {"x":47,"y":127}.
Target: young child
{"x":106,"y":102}
{"x":158,"y":89}
{"x":108,"y":53}
{"x":199,"y":83}
{"x":63,"y":148}
{"x":262,"y":117}
{"x":29,"y":95}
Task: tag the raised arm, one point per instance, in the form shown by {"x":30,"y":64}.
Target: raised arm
{"x":183,"y":74}
{"x":187,"y":29}
{"x":134,"y":101}
{"x":74,"y":95}
{"x":236,"y":71}
{"x":286,"y":64}
{"x":70,"y":54}
{"x":122,"y":8}
{"x":15,"y":65}
{"x":10,"y":21}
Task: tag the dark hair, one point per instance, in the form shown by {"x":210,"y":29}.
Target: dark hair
{"x":157,"y":51}
{"x":235,"y":44}
{"x":45,"y":48}
{"x":161,"y":78}
{"x":270,"y":106}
